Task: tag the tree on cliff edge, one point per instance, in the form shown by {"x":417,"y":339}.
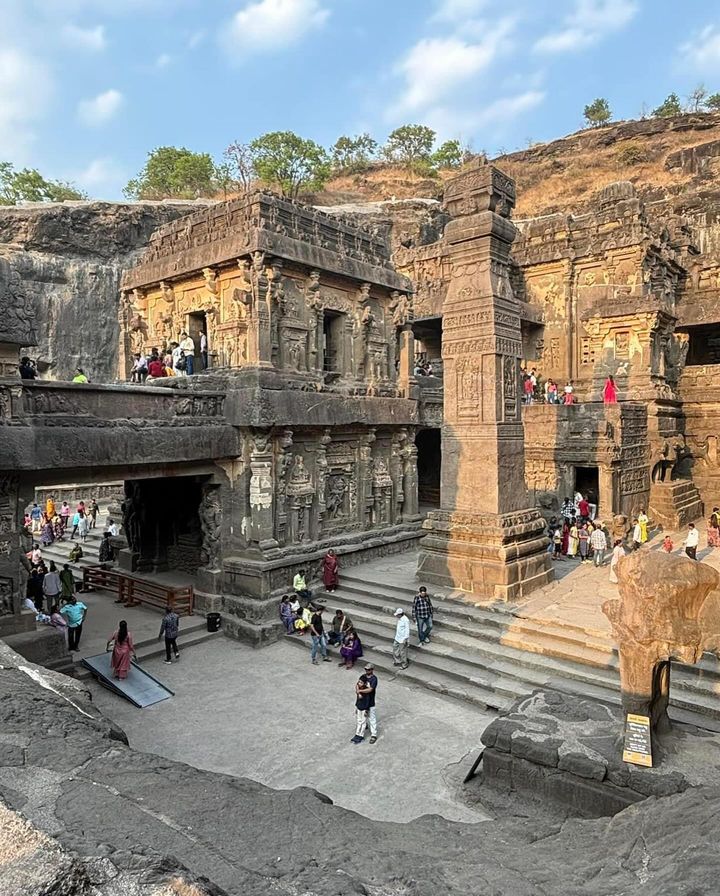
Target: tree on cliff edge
{"x":411,"y":146}
{"x":28,"y":185}
{"x":289,"y":163}
{"x":669,"y":107}
{"x":174,"y":173}
{"x":597,"y":113}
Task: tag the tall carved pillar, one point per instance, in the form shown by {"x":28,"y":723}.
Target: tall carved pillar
{"x":284,"y":462}
{"x":485,"y":539}
{"x":254,"y":295}
{"x":407,"y":360}
{"x":410,"y":509}
{"x":261,"y":491}
{"x":365,"y":478}
{"x":12,"y":548}
{"x":321,"y":467}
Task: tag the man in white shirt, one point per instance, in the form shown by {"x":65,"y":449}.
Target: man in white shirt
{"x":598,"y":542}
{"x":637,"y":535}
{"x":187,"y":345}
{"x":692,"y":541}
{"x":204,"y":350}
{"x":112,"y":528}
{"x":402,"y":639}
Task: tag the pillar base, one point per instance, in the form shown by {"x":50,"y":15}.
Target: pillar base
{"x":491,"y":556}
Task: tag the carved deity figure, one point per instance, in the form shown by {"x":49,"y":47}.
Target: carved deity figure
{"x":210,"y":512}
{"x":131,"y":512}
{"x":335,"y":497}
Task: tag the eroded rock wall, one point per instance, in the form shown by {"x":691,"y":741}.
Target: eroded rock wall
{"x":70,"y":258}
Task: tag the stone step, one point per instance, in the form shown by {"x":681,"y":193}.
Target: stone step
{"x":189,"y":637}
{"x":473,"y":645}
{"x":529,"y":634}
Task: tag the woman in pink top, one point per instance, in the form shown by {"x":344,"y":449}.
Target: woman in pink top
{"x":123,"y":651}
{"x":610,"y":391}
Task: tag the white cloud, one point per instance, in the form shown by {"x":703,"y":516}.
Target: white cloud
{"x":437,"y":66}
{"x":101,"y":108}
{"x":25,"y":89}
{"x":589,"y":22}
{"x":460,"y":121}
{"x":84,"y":38}
{"x":196,"y":38}
{"x":163,"y":60}
{"x":272,"y":24}
{"x":454,"y":11}
{"x":703,"y":53}
{"x":102,"y":177}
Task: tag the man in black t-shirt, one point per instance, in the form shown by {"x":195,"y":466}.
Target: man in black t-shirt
{"x":317,"y":633}
{"x":365,"y":691}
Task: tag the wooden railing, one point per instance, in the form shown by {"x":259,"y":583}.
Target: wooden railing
{"x":133,"y":591}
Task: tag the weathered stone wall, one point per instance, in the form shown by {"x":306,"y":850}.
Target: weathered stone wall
{"x":69,"y":258}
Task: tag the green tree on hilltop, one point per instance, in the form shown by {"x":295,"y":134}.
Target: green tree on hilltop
{"x":353,"y":154}
{"x":411,"y":146}
{"x":712,"y":103}
{"x":28,"y":185}
{"x":449,"y":155}
{"x":174,"y":173}
{"x":597,"y":113}
{"x":669,"y":107}
{"x":289,"y":163}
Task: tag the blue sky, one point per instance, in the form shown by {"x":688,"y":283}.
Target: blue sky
{"x":89,"y":87}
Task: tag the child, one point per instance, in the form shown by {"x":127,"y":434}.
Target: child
{"x":667,"y":544}
{"x":557,"y":544}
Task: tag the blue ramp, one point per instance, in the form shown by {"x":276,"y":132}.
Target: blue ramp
{"x":140,"y":687}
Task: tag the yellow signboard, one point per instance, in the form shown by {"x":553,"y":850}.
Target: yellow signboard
{"x":638,"y":745}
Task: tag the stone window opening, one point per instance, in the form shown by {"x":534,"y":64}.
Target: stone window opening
{"x":333,"y":331}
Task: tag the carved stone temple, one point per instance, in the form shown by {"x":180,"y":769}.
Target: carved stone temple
{"x":308,"y":429}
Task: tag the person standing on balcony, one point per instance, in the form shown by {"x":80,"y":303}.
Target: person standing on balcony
{"x":610,"y":391}
{"x":187,"y":345}
{"x":204,"y":350}
{"x":569,"y":393}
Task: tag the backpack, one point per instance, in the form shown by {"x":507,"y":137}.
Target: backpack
{"x":181,"y":363}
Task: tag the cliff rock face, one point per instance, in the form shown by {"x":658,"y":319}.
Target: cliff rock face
{"x":69,"y":259}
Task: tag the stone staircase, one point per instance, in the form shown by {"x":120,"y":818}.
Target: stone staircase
{"x":488,"y":656}
{"x":58,"y":552}
{"x":674,"y":504}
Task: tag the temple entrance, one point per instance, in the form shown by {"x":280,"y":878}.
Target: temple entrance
{"x":588,"y":484}
{"x":429,"y":460}
{"x":197,"y":325}
{"x":161,"y":523}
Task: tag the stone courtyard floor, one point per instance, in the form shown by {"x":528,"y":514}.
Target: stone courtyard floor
{"x":272,"y":716}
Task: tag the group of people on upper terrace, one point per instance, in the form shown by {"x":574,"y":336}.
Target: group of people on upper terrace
{"x":537,"y":390}
{"x":177,"y":358}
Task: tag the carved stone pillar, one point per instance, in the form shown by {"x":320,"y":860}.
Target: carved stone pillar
{"x":407,"y":361}
{"x":283,"y":462}
{"x":261,"y":491}
{"x":365,"y":479}
{"x":275,"y":305}
{"x":485,"y":539}
{"x":254,"y":296}
{"x":410,"y":510}
{"x":13,"y":545}
{"x":321,"y":467}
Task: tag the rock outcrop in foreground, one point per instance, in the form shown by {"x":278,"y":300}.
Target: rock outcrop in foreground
{"x":139,"y":824}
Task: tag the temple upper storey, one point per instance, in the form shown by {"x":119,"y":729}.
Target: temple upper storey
{"x":273,"y":284}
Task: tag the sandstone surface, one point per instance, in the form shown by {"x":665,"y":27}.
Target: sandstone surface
{"x":142,"y":821}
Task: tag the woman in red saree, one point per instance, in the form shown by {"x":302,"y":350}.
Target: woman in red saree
{"x":123,"y":651}
{"x":610,"y":391}
{"x":330,"y":571}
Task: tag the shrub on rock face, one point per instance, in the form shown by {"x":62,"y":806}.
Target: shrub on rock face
{"x":631,"y":154}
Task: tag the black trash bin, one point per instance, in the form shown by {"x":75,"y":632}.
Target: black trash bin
{"x":213,"y":622}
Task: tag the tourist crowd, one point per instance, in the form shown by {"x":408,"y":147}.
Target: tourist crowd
{"x":175,"y":359}
{"x":536,"y":390}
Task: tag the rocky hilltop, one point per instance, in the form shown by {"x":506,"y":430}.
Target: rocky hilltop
{"x":70,"y":257}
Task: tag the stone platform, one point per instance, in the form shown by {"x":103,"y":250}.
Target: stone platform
{"x":568,"y":750}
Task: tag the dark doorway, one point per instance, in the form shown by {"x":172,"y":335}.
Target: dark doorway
{"x":588,"y":484}
{"x":197,"y":325}
{"x":162,"y":523}
{"x":429,"y":459}
{"x":333,"y":326}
